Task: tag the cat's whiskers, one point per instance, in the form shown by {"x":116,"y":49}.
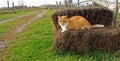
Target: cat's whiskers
{"x":64,"y":27}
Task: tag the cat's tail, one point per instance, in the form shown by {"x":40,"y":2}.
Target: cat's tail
{"x":97,"y":25}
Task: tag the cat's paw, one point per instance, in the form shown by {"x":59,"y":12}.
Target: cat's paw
{"x":83,"y":28}
{"x":62,"y":31}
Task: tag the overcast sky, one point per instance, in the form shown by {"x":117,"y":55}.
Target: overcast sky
{"x":3,"y":3}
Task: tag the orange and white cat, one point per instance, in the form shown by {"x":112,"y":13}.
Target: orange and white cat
{"x":75,"y":22}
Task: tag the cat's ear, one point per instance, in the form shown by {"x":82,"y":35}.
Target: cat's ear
{"x":66,"y":16}
{"x":58,"y":16}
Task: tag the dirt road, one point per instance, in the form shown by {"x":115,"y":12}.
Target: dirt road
{"x":27,"y":20}
{"x":10,"y":19}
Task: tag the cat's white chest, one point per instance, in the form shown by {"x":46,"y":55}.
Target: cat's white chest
{"x":64,"y":27}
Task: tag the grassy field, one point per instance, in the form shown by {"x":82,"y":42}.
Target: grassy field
{"x":5,"y":27}
{"x":35,"y":44}
{"x":18,"y":13}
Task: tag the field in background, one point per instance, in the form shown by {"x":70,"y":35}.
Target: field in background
{"x":18,"y":12}
{"x":7,"y":26}
{"x":35,"y":44}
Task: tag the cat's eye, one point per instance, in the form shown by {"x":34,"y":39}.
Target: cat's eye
{"x":64,"y":21}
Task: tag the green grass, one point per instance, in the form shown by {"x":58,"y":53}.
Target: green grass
{"x":18,"y":13}
{"x":5,"y":27}
{"x":35,"y":45}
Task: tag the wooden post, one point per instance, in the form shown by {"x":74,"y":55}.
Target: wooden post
{"x":8,"y":7}
{"x":60,"y":4}
{"x":66,"y":3}
{"x":23,"y":6}
{"x":115,"y":14}
{"x":70,"y":1}
{"x":13,"y":6}
{"x":56,"y":5}
{"x":78,"y":3}
{"x":100,"y":1}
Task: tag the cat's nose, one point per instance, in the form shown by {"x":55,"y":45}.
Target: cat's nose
{"x":62,"y":23}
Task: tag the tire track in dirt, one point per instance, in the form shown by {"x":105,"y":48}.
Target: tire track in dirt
{"x":10,"y":35}
{"x":21,"y":27}
{"x":10,"y":19}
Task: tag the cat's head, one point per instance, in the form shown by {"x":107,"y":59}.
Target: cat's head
{"x":62,"y":20}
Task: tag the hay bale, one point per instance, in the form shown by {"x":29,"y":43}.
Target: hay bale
{"x":95,"y":15}
{"x":72,"y":39}
{"x":105,"y":39}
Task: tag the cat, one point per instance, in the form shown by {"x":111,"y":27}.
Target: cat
{"x":75,"y":22}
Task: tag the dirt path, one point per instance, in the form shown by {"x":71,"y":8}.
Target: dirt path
{"x":11,"y":33}
{"x":10,"y":19}
{"x":21,"y":27}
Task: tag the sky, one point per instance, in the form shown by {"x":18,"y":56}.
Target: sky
{"x":3,"y":3}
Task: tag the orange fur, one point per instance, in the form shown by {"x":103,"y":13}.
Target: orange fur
{"x":75,"y":22}
{"x":78,"y":22}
